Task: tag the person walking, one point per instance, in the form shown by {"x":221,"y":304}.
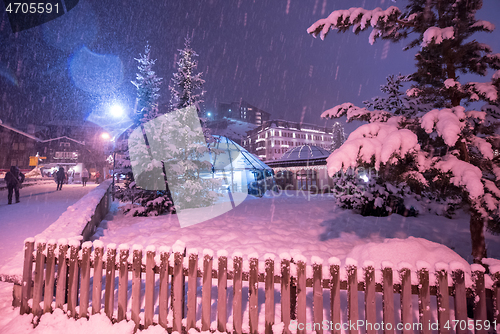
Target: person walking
{"x":60,"y":175}
{"x":97,"y":177}
{"x":85,"y":176}
{"x":13,"y":179}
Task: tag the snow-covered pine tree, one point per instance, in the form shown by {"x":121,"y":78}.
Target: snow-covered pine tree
{"x":148,"y":86}
{"x":442,"y":29}
{"x":397,"y":101}
{"x":156,"y":200}
{"x":177,"y":144}
{"x":186,"y":85}
{"x":338,"y":135}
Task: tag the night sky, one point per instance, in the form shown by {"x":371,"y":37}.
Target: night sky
{"x":256,"y":50}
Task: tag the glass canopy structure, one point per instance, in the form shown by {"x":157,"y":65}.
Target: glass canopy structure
{"x":238,"y":169}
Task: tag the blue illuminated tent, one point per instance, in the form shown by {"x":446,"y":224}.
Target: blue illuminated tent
{"x":238,"y":169}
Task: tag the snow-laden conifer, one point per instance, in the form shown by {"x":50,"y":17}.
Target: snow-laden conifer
{"x":441,"y":147}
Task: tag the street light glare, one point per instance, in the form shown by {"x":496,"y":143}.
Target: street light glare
{"x":116,"y":111}
{"x":105,"y":136}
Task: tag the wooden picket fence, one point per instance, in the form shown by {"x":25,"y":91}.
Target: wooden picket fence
{"x":72,"y":288}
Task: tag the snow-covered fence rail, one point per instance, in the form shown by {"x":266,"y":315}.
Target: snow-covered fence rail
{"x":64,"y":272}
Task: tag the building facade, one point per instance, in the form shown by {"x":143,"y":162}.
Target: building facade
{"x":242,"y":111}
{"x":273,"y":138}
{"x":16,"y":147}
{"x":303,"y":168}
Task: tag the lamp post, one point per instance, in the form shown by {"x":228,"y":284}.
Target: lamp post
{"x":116,"y":111}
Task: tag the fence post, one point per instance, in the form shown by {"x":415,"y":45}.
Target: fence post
{"x":38,"y":282}
{"x":109,"y":293}
{"x":136,"y":284}
{"x":123,"y":282}
{"x":163,"y":294}
{"x":406,"y":302}
{"x":222,"y":290}
{"x":480,"y":302}
{"x":301,"y":292}
{"x":97,"y":281}
{"x":458,"y":275}
{"x":206,"y":299}
{"x":62,"y":269}
{"x":285,"y":291}
{"x":495,"y":272}
{"x":335,"y":292}
{"x":85,"y":282}
{"x":253,"y":294}
{"x":192,"y":287}
{"x":237,"y":295}
{"x":352,"y":290}
{"x":317,"y":264}
{"x":442,"y":296}
{"x":29,"y":245}
{"x":177,"y":290}
{"x":73,"y":277}
{"x":49,"y":276}
{"x":388,"y":297}
{"x":424,"y":296}
{"x":269,"y":293}
{"x":150,"y":286}
{"x":370,"y":306}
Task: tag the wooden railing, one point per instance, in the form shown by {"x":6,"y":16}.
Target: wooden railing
{"x":72,"y":288}
{"x":101,"y":211}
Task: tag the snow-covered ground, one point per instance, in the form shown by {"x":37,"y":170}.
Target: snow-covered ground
{"x":58,"y":323}
{"x":295,"y":221}
{"x":40,"y":206}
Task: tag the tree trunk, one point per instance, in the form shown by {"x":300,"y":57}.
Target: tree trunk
{"x":477,"y":236}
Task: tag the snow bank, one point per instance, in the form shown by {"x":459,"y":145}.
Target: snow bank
{"x":69,"y":226}
{"x":72,"y":222}
{"x":408,"y":253}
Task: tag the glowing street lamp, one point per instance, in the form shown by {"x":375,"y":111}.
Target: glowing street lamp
{"x":105,"y":136}
{"x":116,"y":111}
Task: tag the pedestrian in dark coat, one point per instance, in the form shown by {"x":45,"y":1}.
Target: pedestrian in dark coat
{"x":13,"y":179}
{"x":85,"y":176}
{"x":60,"y":176}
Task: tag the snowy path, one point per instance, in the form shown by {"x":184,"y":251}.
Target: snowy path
{"x":40,"y":206}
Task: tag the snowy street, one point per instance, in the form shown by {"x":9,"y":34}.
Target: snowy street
{"x":40,"y":206}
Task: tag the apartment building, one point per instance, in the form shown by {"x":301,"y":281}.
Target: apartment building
{"x":273,"y":138}
{"x":243,"y":111}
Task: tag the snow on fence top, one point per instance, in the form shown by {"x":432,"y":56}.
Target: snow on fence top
{"x":72,"y":222}
{"x":279,"y":263}
{"x":304,"y":276}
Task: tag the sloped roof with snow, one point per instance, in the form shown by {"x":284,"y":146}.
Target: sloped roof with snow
{"x":20,"y":132}
{"x":235,"y":156}
{"x":64,"y":137}
{"x":305,"y":152}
